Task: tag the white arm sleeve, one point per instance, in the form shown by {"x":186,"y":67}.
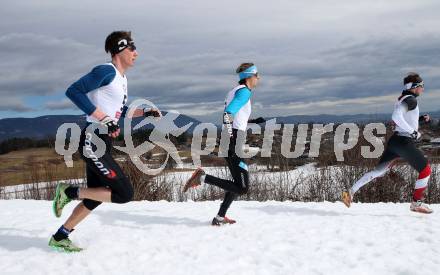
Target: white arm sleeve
{"x":400,"y":120}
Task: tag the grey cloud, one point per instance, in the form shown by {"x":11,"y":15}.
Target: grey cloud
{"x":60,"y":105}
{"x":13,"y":104}
{"x":35,"y":64}
{"x":307,"y":52}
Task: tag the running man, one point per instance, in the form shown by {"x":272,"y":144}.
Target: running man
{"x":235,"y":118}
{"x":402,"y":145}
{"x":102,"y":95}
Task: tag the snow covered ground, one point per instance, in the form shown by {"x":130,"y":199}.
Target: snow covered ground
{"x":269,"y":238}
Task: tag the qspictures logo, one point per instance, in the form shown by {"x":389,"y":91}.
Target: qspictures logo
{"x":205,"y":139}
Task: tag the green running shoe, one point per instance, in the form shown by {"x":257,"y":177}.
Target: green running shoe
{"x":65,"y":245}
{"x":60,"y":199}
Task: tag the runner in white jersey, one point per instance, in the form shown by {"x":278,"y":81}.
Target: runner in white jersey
{"x":236,"y":117}
{"x":402,"y":145}
{"x":109,"y":97}
{"x":102,"y":95}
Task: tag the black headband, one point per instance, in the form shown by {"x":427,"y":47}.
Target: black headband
{"x":122,"y":44}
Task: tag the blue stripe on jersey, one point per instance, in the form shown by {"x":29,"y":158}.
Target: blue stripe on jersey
{"x":241,"y":97}
{"x":243,"y":165}
{"x":100,"y":76}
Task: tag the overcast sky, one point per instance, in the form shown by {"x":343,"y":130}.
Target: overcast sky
{"x":315,"y":57}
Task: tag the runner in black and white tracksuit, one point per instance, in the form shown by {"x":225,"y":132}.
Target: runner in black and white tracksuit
{"x":102,"y":96}
{"x":235,"y":118}
{"x":402,"y":145}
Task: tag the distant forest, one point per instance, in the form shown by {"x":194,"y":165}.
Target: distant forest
{"x":15,"y":144}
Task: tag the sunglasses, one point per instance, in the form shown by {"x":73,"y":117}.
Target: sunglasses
{"x":131,"y":47}
{"x":421,"y":85}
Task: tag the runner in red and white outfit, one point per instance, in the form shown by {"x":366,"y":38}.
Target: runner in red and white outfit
{"x":402,"y":145}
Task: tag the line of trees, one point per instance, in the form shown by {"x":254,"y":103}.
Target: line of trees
{"x":15,"y":144}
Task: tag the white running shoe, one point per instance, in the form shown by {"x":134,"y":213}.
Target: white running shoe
{"x":419,"y":206}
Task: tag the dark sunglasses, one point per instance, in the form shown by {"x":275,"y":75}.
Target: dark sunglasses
{"x":421,"y":85}
{"x":131,"y":47}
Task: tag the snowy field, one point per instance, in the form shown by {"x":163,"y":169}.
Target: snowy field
{"x":269,"y":238}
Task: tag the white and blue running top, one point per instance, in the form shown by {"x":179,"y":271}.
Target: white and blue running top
{"x":103,"y":87}
{"x":238,"y":104}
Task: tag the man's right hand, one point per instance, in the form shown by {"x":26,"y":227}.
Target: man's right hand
{"x":424,"y":118}
{"x":112,"y":126}
{"x":416,"y":135}
{"x":152,"y":112}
